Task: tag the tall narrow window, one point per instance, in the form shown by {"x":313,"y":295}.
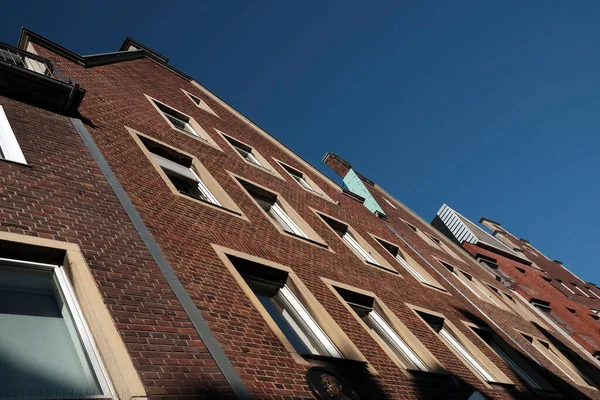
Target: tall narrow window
{"x":304,"y":181}
{"x":566,"y":287}
{"x":272,"y":289}
{"x":351,"y":240}
{"x":179,"y":120}
{"x":469,"y":282}
{"x":180,"y":171}
{"x":450,"y":339}
{"x":9,"y":147}
{"x":200,"y":103}
{"x":560,"y":360}
{"x":244,"y":150}
{"x":374,"y":319}
{"x":517,"y":363}
{"x":411,"y":266}
{"x":44,"y":341}
{"x":269,"y":203}
{"x":580,"y":290}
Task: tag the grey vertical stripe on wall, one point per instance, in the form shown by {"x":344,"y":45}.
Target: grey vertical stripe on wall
{"x":207,"y":336}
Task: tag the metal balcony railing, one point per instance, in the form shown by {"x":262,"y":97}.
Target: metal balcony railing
{"x":23,"y":59}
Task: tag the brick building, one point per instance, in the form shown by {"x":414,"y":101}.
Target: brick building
{"x":156,"y":243}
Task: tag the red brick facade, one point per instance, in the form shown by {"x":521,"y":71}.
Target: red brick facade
{"x":63,"y":195}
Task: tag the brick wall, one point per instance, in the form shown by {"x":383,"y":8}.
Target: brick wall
{"x":168,"y":355}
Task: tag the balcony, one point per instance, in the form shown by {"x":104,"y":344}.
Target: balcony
{"x":35,"y":80}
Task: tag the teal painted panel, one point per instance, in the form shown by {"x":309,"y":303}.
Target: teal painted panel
{"x":356,"y":186}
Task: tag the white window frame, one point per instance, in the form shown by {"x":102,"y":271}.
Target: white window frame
{"x":89,"y":346}
{"x":295,"y":306}
{"x":580,"y":290}
{"x":248,"y":155}
{"x":8,"y":141}
{"x":411,"y":270}
{"x":390,"y":203}
{"x":518,"y":370}
{"x":279,"y":214}
{"x":592,"y":292}
{"x":187,"y":172}
{"x":466,"y":355}
{"x":351,"y":241}
{"x":385,"y":330}
{"x":568,"y":288}
{"x":186,"y":123}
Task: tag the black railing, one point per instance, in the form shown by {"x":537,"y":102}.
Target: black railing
{"x":32,"y":62}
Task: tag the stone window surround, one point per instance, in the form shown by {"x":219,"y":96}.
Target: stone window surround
{"x":203,"y":137}
{"x":435,"y":285}
{"x":111,"y":348}
{"x":266,"y":166}
{"x":383,"y":264}
{"x":501,"y":378}
{"x":228,"y":205}
{"x":203,"y":105}
{"x":401,"y":329}
{"x":317,"y":189}
{"x":313,"y":237}
{"x":317,"y":311}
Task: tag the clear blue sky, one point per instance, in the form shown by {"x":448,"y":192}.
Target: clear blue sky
{"x":489,"y":106}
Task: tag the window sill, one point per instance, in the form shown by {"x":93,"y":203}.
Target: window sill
{"x":219,"y":207}
{"x":333,"y":361}
{"x":15,"y":162}
{"x":383,"y":268}
{"x":309,"y":240}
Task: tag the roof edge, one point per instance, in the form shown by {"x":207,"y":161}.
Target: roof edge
{"x":129,"y":41}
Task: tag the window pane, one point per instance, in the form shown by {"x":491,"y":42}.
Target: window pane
{"x":284,"y":220}
{"x":349,"y":238}
{"x":403,"y":352}
{"x":40,"y":349}
{"x":410,"y":269}
{"x":302,"y":345}
{"x":466,"y":355}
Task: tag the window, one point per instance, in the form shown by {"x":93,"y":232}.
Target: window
{"x":295,"y":316}
{"x":514,"y":361}
{"x":280,"y":213}
{"x":468,"y":353}
{"x":182,"y":122}
{"x":374,"y":320}
{"x":356,"y":243}
{"x":471,"y":284}
{"x":304,"y":181}
{"x":184,"y":174}
{"x":565,"y":286}
{"x":411,"y":266}
{"x":178,"y":120}
{"x":9,"y":147}
{"x":581,"y":291}
{"x":249,"y":154}
{"x":561,"y":360}
{"x":389,"y":202}
{"x":269,"y":203}
{"x":44,"y":340}
{"x":200,"y":103}
{"x":180,"y":171}
{"x":592,"y":292}
{"x":433,"y":241}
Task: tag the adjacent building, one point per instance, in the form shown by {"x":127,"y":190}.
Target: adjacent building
{"x":156,"y":243}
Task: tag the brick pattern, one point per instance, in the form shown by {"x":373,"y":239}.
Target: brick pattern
{"x":170,"y":358}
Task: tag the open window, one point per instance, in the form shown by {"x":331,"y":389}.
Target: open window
{"x":409,"y":264}
{"x":388,"y":331}
{"x":181,"y":122}
{"x":432,"y":241}
{"x":9,"y":146}
{"x":520,"y":366}
{"x":184,"y":174}
{"x":356,"y":243}
{"x":463,"y":348}
{"x":280,"y":213}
